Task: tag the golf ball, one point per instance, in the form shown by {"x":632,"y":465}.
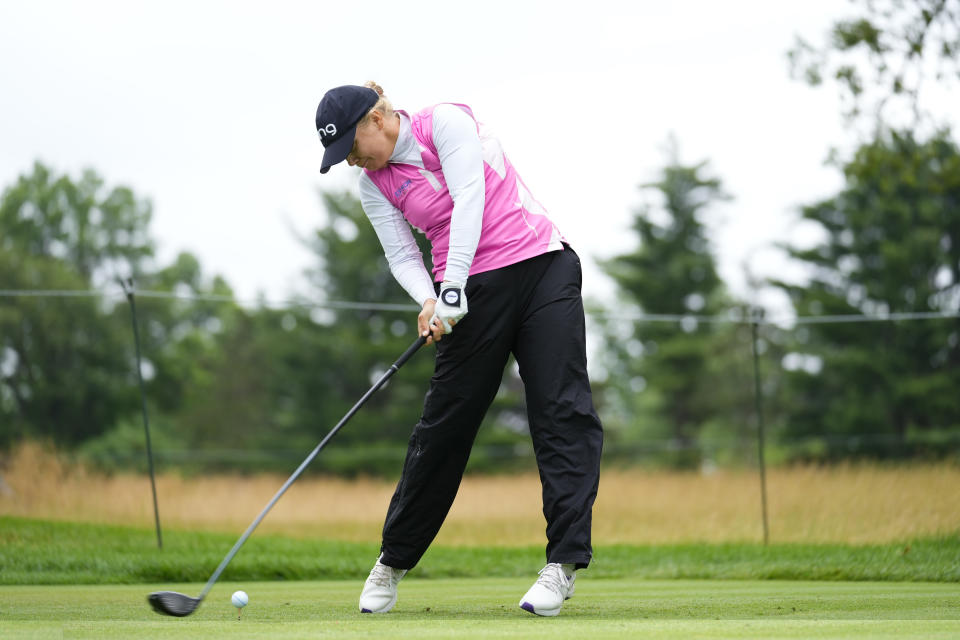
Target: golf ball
{"x":239,"y":599}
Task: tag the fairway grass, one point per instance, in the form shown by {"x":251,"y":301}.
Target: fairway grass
{"x":487,"y":608}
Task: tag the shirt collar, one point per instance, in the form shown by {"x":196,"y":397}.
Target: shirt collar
{"x":407,"y":146}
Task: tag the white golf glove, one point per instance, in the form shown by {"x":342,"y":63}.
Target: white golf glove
{"x":452,"y":305}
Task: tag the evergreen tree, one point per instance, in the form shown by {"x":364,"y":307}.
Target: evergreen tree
{"x":666,"y":380}
{"x":892,"y":246}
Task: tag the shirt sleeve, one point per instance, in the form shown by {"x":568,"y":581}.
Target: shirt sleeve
{"x":400,"y":248}
{"x":461,"y":157}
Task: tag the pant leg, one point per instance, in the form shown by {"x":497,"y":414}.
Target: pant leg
{"x":469,"y":367}
{"x":567,"y":434}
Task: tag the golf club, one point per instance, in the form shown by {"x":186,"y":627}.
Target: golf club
{"x":172,"y":603}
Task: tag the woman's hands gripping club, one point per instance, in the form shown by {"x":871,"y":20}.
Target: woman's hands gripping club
{"x":438,"y":318}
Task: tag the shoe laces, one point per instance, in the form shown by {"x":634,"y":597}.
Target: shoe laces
{"x":553,"y":578}
{"x":384,"y":576}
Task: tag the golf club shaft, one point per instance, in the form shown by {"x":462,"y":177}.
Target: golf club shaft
{"x":296,"y":474}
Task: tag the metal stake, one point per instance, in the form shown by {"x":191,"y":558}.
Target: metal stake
{"x":760,"y":429}
{"x":128,"y":289}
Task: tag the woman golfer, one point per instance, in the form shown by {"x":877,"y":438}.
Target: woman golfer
{"x":496,"y":253}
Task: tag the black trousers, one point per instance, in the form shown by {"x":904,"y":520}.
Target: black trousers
{"x":533,"y":309}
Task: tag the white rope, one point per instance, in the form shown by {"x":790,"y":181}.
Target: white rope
{"x":327,"y":304}
{"x":729,"y":318}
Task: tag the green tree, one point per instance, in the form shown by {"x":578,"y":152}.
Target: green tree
{"x":80,"y":223}
{"x":892,"y":245}
{"x":203,"y":386}
{"x":64,"y":370}
{"x":67,"y":367}
{"x":882,"y":58}
{"x":667,"y":380}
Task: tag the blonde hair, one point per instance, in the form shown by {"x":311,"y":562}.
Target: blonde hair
{"x":383,"y":105}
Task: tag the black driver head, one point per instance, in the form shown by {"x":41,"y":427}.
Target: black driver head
{"x":172,"y":603}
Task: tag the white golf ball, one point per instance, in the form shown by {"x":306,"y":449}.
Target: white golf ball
{"x":239,"y":599}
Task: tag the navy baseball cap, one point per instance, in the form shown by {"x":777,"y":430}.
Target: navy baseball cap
{"x":337,"y":117}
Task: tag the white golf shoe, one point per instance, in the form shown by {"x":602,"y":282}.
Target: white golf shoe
{"x":546,"y":596}
{"x":380,"y":590}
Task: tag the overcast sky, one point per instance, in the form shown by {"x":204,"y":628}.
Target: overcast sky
{"x":207,"y":109}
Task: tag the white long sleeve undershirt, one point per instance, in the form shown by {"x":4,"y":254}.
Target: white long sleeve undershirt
{"x":461,"y":159}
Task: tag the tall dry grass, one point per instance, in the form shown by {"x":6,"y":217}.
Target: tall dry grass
{"x":849,"y":503}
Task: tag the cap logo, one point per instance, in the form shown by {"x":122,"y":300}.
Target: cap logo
{"x":329,"y":130}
